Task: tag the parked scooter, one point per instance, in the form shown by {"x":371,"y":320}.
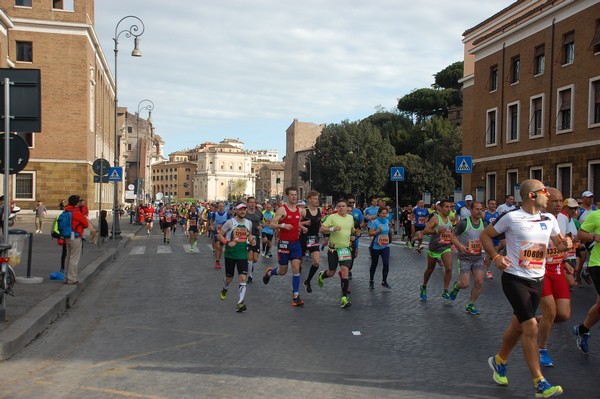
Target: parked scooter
{"x":13,"y":215}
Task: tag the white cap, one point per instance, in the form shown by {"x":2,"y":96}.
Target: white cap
{"x":587,"y":194}
{"x":241,"y":205}
{"x":469,"y":198}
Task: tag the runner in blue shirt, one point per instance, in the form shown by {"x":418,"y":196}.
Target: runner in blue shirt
{"x":217,"y":221}
{"x":421,"y":215}
{"x":489,"y":217}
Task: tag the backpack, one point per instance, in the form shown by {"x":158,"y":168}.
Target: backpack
{"x":65,"y":224}
{"x":54,"y":232}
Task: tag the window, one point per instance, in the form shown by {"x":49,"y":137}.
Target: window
{"x":491,"y":136}
{"x":512,"y":122}
{"x":23,"y":3}
{"x":536,"y":116}
{"x":129,"y":129}
{"x":568,"y":48}
{"x":490,"y":183}
{"x":536,"y":172}
{"x":540,"y":60}
{"x":512,"y":179}
{"x":563,"y":179}
{"x":593,"y":179}
{"x":24,"y":185}
{"x":24,"y":51}
{"x":565,"y":109}
{"x":594,"y":117}
{"x":66,"y":5}
{"x":128,"y":147}
{"x":494,"y":78}
{"x":596,"y":39}
{"x":515,"y":68}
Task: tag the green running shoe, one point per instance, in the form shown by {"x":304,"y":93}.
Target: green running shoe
{"x":499,"y":375}
{"x":545,"y":390}
{"x":241,"y":307}
{"x":321,"y":280}
{"x":423,"y":294}
{"x":446,"y":296}
{"x":454,"y":291}
{"x":345,"y":303}
{"x":223,"y":294}
{"x":470,"y":308}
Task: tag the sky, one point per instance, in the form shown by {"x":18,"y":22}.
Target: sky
{"x":244,"y":69}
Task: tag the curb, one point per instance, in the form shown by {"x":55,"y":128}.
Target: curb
{"x":24,"y":330}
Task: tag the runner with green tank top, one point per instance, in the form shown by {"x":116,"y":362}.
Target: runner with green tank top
{"x":465,"y":237}
{"x":439,"y":228}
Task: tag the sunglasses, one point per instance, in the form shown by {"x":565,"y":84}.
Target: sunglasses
{"x":541,"y":190}
{"x":352,"y":203}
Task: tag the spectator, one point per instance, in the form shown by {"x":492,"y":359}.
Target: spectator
{"x":40,"y":213}
{"x":74,"y":243}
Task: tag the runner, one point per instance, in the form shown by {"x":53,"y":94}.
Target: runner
{"x":407,"y":223}
{"x":556,"y":298}
{"x":465,"y":237}
{"x":380,"y":246}
{"x":489,"y":217}
{"x":370,"y":213}
{"x":235,"y":235}
{"x":255,"y":217}
{"x":509,"y":205}
{"x":583,"y":252}
{"x":463,"y":208}
{"x":440,"y":229}
{"x":287,"y":221}
{"x":267,"y":231}
{"x":166,"y":217}
{"x":149,"y":214}
{"x":359,"y":223}
{"x":420,"y":215}
{"x":218,"y":219}
{"x":340,"y":225}
{"x":528,"y":231}
{"x":313,"y":214}
{"x":193,"y":220}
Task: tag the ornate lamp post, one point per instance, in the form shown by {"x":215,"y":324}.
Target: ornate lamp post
{"x":149,"y":106}
{"x":136,"y":30}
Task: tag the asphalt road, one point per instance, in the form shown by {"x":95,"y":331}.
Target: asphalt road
{"x":152,"y":326}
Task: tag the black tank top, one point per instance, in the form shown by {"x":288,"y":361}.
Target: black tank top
{"x":315,"y":222}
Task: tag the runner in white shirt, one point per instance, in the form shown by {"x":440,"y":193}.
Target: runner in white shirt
{"x":509,"y":205}
{"x":528,"y":231}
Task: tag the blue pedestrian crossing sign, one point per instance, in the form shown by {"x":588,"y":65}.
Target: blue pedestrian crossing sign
{"x":464,"y":164}
{"x":115,"y":174}
{"x":397,"y":173}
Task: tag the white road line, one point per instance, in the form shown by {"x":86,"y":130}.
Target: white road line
{"x":138,"y":250}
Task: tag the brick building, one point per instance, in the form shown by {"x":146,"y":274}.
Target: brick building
{"x":77,"y":101}
{"x":300,"y":139}
{"x":174,"y":179}
{"x":531,"y":91}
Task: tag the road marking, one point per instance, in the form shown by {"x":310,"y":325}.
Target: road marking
{"x":164,"y":249}
{"x":138,"y":250}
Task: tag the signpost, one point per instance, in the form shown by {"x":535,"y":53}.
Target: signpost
{"x":463,"y":164}
{"x":397,"y":174}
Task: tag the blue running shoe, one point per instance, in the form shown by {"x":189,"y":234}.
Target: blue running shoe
{"x":446,"y":296}
{"x":545,"y":390}
{"x":499,"y":375}
{"x":454,"y":291}
{"x":545,"y":358}
{"x":470,"y":308}
{"x":582,"y":340}
{"x":423,"y":294}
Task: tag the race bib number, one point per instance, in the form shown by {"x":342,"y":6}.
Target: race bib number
{"x":421,"y":220}
{"x":532,"y":255}
{"x":283,"y":247}
{"x":312,"y":241}
{"x":167,"y":218}
{"x":344,"y":254}
{"x":445,"y":237}
{"x":192,"y":222}
{"x":383,"y":240}
{"x":240,"y":234}
{"x":474,"y":247}
{"x":554,"y":257}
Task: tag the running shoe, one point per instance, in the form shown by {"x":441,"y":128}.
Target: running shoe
{"x":418,"y":250}
{"x":545,"y":390}
{"x":454,"y":291}
{"x":148,"y":232}
{"x":409,"y":244}
{"x":217,"y":265}
{"x":371,"y":284}
{"x":499,"y":375}
{"x":297,"y":301}
{"x":307,"y":286}
{"x":196,"y":243}
{"x":270,"y":255}
{"x":489,"y":275}
{"x":223,"y":294}
{"x":545,"y":358}
{"x":470,"y":308}
{"x":191,"y":249}
{"x":420,"y":247}
{"x":582,"y":340}
{"x":345,"y":303}
{"x":384,"y":284}
{"x":423,"y":294}
{"x":241,"y":307}
{"x":249,"y":279}
{"x":168,"y":241}
{"x":164,"y":240}
{"x":446,"y":296}
{"x":267,"y":275}
{"x":321,"y":280}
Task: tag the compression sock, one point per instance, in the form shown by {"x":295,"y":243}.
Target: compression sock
{"x":296,"y":283}
{"x":312,"y":271}
{"x":242,"y":292}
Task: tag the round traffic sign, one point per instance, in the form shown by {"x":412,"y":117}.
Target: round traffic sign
{"x":159,"y":196}
{"x":130,"y":187}
{"x":101,"y":167}
{"x":18,"y":154}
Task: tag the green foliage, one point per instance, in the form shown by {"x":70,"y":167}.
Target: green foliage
{"x":423,"y":103}
{"x":448,"y":77}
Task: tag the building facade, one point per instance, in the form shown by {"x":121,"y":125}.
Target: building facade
{"x":173,"y":181}
{"x":269,"y":181}
{"x":531,"y":90}
{"x":300,"y":139}
{"x":77,"y":100}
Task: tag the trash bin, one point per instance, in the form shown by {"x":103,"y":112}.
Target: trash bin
{"x":17,"y":239}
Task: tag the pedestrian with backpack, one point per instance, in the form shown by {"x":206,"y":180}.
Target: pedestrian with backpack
{"x":71,"y":224}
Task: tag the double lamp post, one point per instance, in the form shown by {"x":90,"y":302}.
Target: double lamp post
{"x":149,"y":105}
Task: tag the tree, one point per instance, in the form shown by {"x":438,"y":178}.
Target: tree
{"x":420,"y":177}
{"x":448,"y":77}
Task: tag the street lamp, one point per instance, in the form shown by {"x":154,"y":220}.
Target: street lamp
{"x":149,"y":106}
{"x":136,"y":30}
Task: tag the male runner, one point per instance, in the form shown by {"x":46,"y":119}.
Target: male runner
{"x":255,"y":217}
{"x":420,"y":216}
{"x":527,"y":231}
{"x":489,"y":217}
{"x":217,"y":220}
{"x":267,"y":231}
{"x":313,"y":214}
{"x":287,"y":221}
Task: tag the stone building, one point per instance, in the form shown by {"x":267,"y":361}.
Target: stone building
{"x":174,"y":179}
{"x":269,"y":181}
{"x":77,"y":102}
{"x":531,"y":91}
{"x":300,"y":139}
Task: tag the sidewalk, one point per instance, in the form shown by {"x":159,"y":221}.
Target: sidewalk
{"x":35,"y":306}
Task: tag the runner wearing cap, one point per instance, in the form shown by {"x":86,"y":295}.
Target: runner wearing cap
{"x":463,"y":208}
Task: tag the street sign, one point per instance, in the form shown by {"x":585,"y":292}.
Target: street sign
{"x":100,"y":165}
{"x":25,"y":99}
{"x":115,"y":174}
{"x":18,"y":154}
{"x":397,"y":173}
{"x":464,"y":164}
{"x":97,"y":179}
